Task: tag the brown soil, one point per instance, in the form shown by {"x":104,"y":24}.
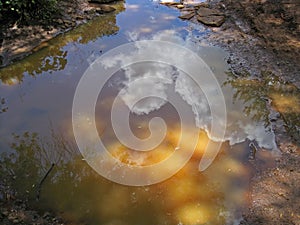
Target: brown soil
{"x":262,"y":35}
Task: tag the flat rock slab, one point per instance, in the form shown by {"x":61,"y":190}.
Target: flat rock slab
{"x":210,"y":17}
{"x":101,"y":1}
{"x":170,"y":3}
{"x":214,"y":21}
{"x":203,"y":11}
{"x":180,"y":6}
{"x":187,"y":16}
{"x":104,"y":8}
{"x":198,"y":5}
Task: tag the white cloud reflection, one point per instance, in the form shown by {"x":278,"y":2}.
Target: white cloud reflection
{"x":159,"y":78}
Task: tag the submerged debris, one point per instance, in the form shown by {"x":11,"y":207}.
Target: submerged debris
{"x":253,"y":151}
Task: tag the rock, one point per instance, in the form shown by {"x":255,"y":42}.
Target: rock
{"x":5,"y":213}
{"x":60,"y":21}
{"x":101,"y":1}
{"x":187,"y":16}
{"x":202,"y":4}
{"x":105,"y":9}
{"x":170,"y":3}
{"x":46,"y":214}
{"x":180,"y":6}
{"x":69,"y":10}
{"x":79,"y":17}
{"x":214,"y":21}
{"x":15,"y":221}
{"x":203,"y":11}
{"x":67,"y":22}
{"x":12,"y":217}
{"x":210,"y":17}
{"x":188,"y":9}
{"x":18,"y":32}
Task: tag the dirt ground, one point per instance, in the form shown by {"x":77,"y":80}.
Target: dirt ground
{"x":262,"y":35}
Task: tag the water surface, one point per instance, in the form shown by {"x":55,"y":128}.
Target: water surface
{"x":35,"y":125}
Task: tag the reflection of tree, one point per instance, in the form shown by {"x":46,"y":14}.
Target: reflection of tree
{"x":31,"y":157}
{"x":252,"y":93}
{"x":51,"y":56}
{"x":74,"y":188}
{"x":71,"y":186}
{"x":255,"y":93}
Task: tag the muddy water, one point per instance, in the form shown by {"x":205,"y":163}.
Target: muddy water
{"x":35,"y":126}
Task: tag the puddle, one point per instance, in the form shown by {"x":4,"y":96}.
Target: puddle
{"x":255,"y":94}
{"x":36,"y":101}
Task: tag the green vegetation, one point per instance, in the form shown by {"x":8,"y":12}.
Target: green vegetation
{"x":27,"y":11}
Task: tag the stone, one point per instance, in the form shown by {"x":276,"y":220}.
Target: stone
{"x":187,"y":16}
{"x":180,"y":6}
{"x":210,"y":17}
{"x":12,"y":217}
{"x":18,"y":32}
{"x":101,"y":1}
{"x":170,"y":3}
{"x":105,"y":9}
{"x":66,"y":21}
{"x":79,"y":17}
{"x":202,"y":4}
{"x":46,"y":214}
{"x":15,"y":221}
{"x":60,"y":21}
{"x":188,"y":9}
{"x":69,"y":10}
{"x":5,"y":213}
{"x":215,"y":21}
{"x":203,"y":11}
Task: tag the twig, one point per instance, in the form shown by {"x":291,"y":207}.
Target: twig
{"x":42,"y":181}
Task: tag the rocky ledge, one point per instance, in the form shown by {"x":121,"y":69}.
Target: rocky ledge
{"x":201,"y":12}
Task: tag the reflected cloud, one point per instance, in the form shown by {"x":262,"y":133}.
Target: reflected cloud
{"x":132,"y":7}
{"x":163,"y":78}
{"x":131,"y":94}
